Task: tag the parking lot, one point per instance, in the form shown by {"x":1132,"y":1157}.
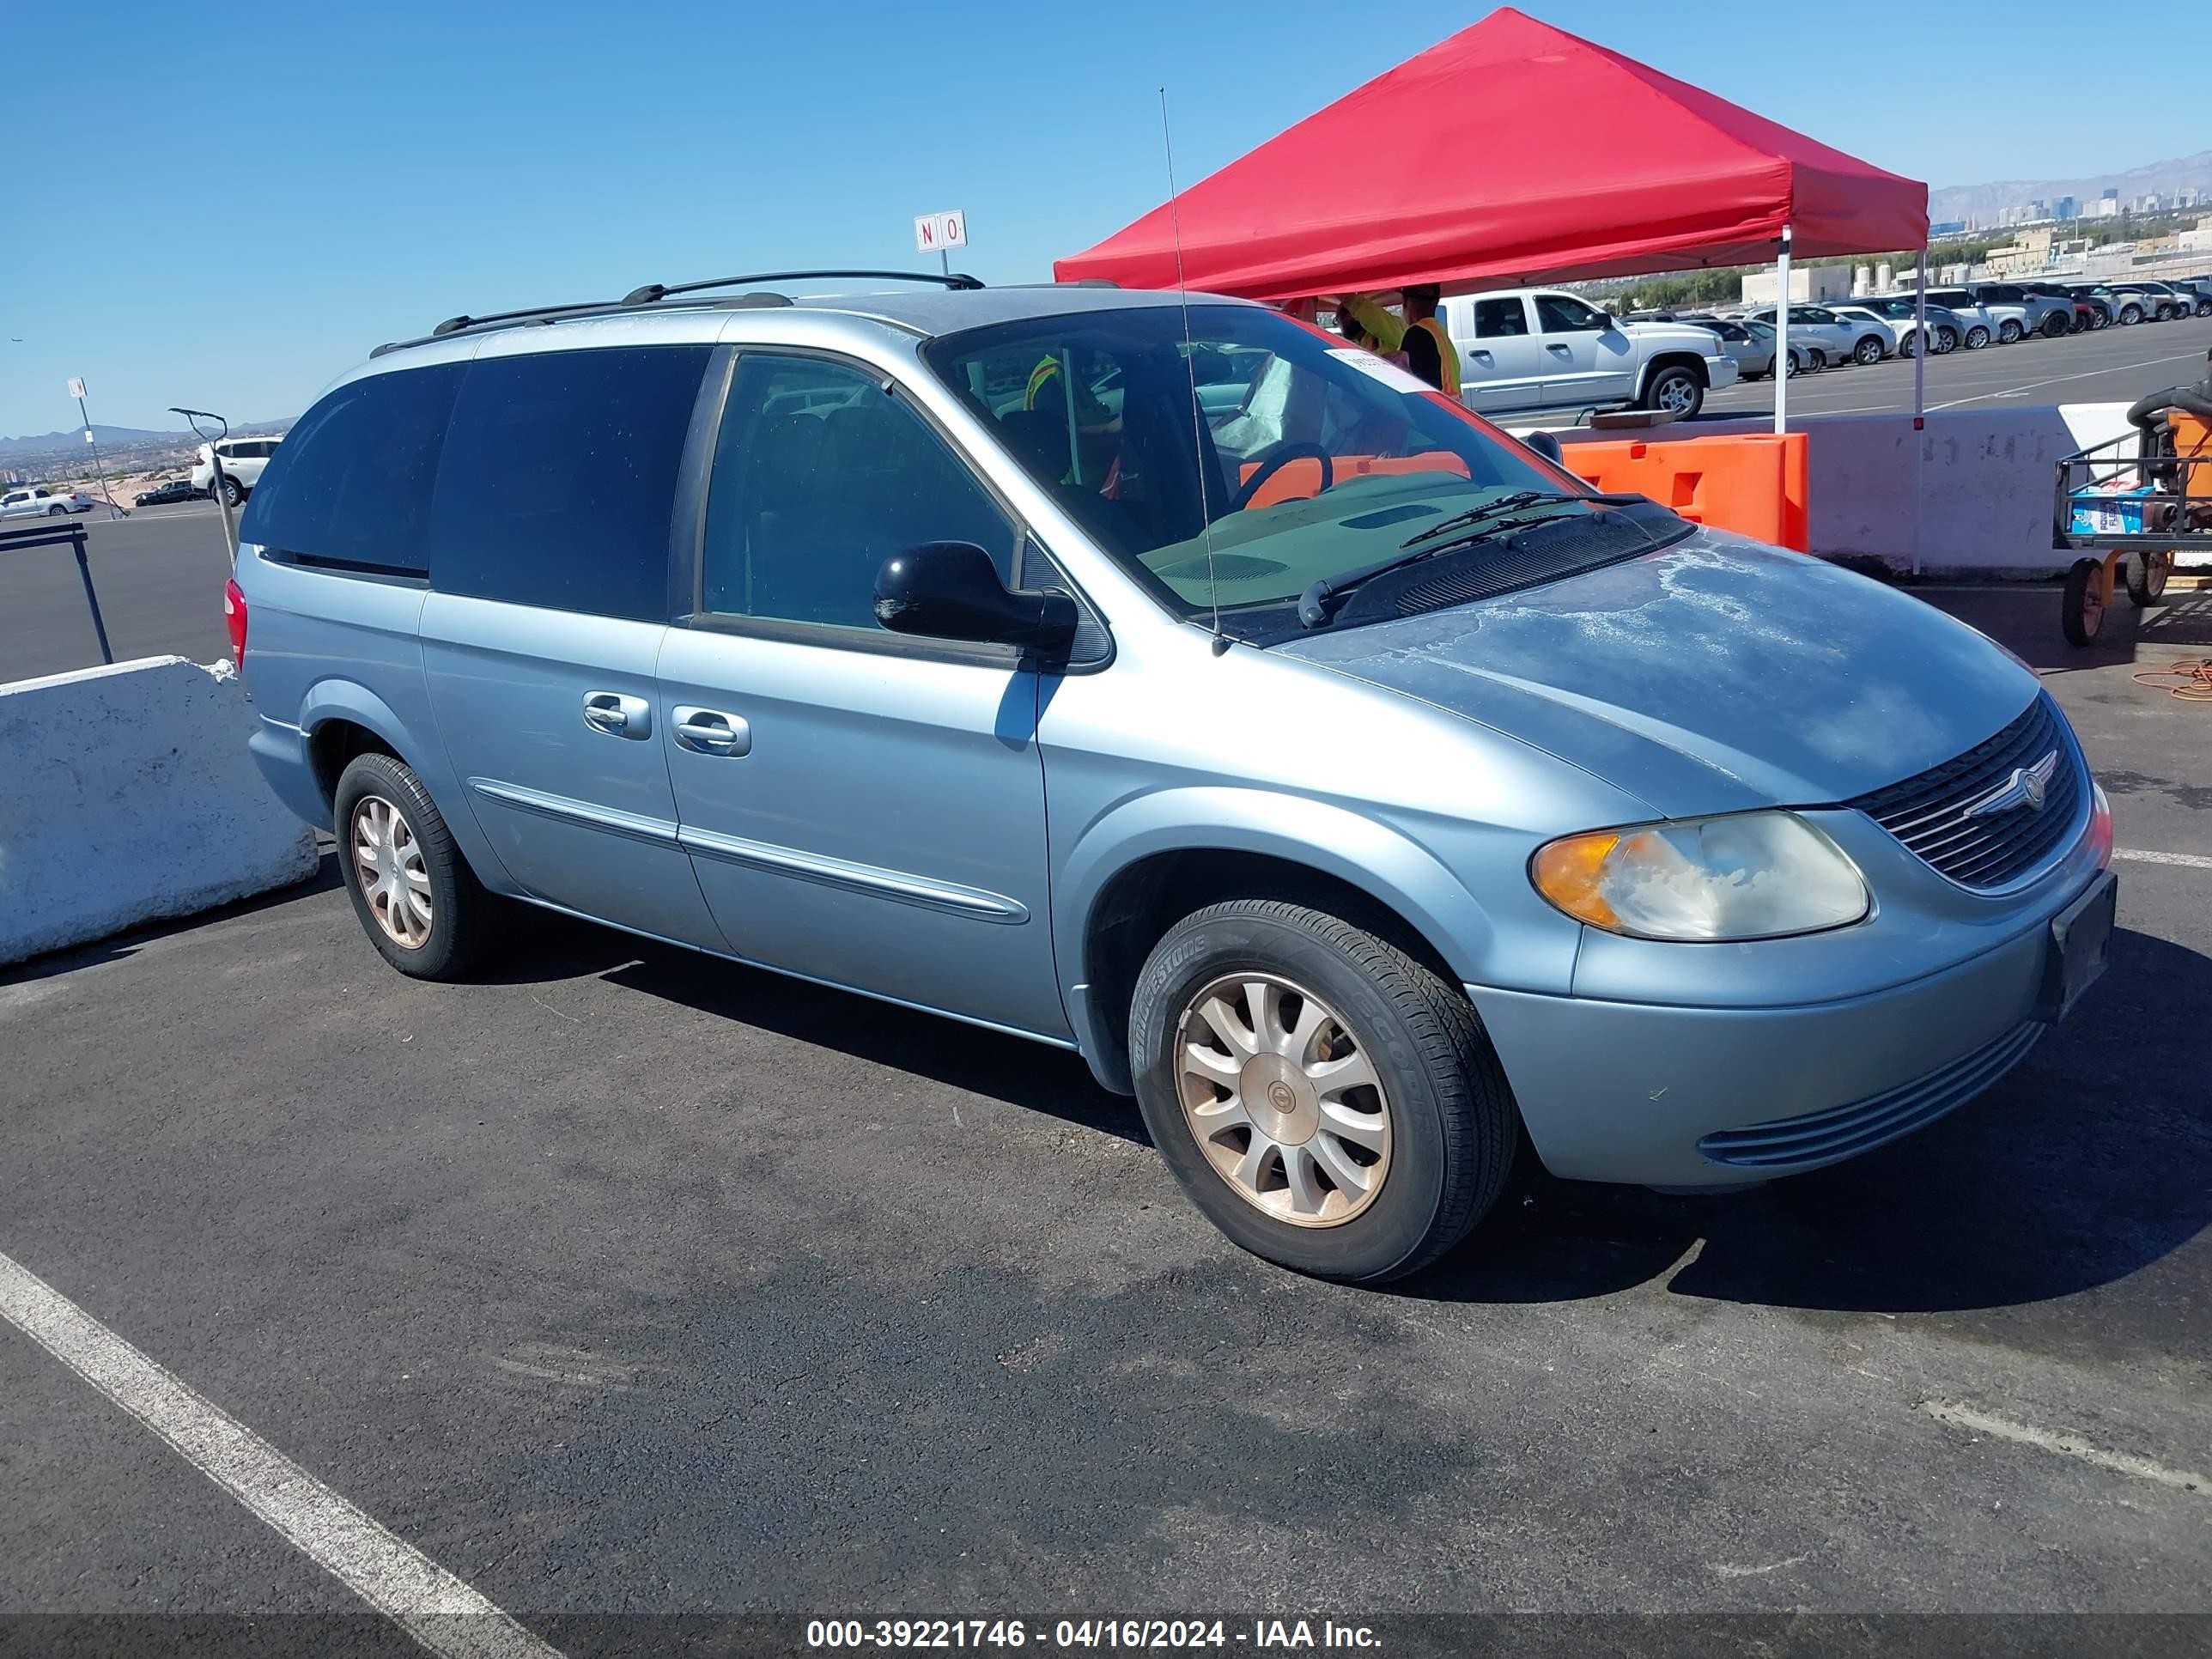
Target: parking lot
{"x":2112,"y":365}
{"x":623,"y":1282}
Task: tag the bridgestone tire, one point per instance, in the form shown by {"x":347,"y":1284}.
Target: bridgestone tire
{"x":460,"y":908}
{"x":1453,"y":1123}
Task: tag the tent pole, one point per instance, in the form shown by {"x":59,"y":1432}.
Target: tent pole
{"x":1782,"y":335}
{"x":1919,"y":400}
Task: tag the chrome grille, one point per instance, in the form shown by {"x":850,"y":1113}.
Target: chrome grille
{"x":1959,"y":819}
{"x":1865,"y":1124}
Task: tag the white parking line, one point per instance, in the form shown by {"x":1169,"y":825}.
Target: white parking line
{"x":2189,"y":860}
{"x":2086,"y":373}
{"x":432,"y":1606}
{"x":1965,"y":1417}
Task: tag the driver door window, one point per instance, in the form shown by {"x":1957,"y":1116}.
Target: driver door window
{"x":821,"y":475}
{"x":1584,"y":361}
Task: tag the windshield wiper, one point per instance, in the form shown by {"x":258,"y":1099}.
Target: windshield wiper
{"x":1504,"y":504}
{"x":1477,"y":524}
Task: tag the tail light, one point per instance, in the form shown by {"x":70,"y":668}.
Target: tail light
{"x":233,"y":618}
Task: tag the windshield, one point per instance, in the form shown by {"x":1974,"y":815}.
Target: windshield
{"x":1309,"y":458}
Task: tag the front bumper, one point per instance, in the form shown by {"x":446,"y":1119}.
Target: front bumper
{"x":1719,"y":372}
{"x":1627,"y":1091}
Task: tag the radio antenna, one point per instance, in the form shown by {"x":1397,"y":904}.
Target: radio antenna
{"x":1190,"y":367}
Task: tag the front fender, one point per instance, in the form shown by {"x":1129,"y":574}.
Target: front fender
{"x":1381,"y":861}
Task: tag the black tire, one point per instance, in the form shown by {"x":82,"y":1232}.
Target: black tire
{"x":1869,"y":352}
{"x":1680,"y":386}
{"x":1816,"y":360}
{"x":2058,"y":325}
{"x":2145,"y":573}
{"x":1977,"y":337}
{"x":1790,"y":367}
{"x":2008,"y":333}
{"x":2082,"y":610}
{"x":1453,"y":1123}
{"x":57,"y":511}
{"x":1947,"y":341}
{"x":2099,"y":319}
{"x":232,"y":491}
{"x":2130,"y":315}
{"x":460,"y":909}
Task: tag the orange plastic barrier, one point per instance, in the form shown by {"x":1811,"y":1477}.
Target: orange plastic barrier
{"x":1754,"y":483}
{"x":2192,"y":439}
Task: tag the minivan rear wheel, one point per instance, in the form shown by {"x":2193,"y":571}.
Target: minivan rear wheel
{"x":1325,"y":1099}
{"x":418,"y":900}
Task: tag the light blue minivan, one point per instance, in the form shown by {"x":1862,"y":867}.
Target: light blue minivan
{"x":1171,"y":683}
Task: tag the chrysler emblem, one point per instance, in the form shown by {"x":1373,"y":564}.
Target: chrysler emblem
{"x":2027,"y":786}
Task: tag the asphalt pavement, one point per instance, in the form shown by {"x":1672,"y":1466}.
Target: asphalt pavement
{"x":2111,"y":365}
{"x":624,"y":1283}
{"x":159,"y":576}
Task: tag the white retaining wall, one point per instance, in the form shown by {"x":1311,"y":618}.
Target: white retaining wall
{"x":1982,"y":505}
{"x":126,"y":795}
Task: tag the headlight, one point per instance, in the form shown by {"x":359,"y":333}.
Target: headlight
{"x":1751,"y":875}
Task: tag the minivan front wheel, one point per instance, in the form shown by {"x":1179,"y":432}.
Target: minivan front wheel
{"x":1327,"y":1100}
{"x":418,"y":900}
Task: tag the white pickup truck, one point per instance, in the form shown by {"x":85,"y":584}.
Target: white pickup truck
{"x":36,"y":499}
{"x":1528,"y":348}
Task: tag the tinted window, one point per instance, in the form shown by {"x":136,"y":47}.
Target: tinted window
{"x":351,"y":481}
{"x":820,"y":476}
{"x":1559,"y":314}
{"x":559,"y":476}
{"x":1495,"y":319}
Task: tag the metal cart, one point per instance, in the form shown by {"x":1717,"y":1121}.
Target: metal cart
{"x":2128,"y":505}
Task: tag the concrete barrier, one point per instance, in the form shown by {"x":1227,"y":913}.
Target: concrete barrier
{"x":126,"y":795}
{"x":1979,"y":502}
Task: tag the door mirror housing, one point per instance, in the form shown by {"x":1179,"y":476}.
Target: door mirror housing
{"x":951,"y":590}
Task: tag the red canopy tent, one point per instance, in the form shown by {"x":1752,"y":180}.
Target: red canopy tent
{"x":1512,"y":153}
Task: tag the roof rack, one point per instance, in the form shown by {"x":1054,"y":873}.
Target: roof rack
{"x":652,"y":293}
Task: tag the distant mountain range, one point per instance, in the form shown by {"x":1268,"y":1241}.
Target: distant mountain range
{"x":1982,"y":204}
{"x":71,"y":440}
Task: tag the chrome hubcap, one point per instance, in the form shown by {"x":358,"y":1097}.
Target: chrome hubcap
{"x":1674,"y":397}
{"x":1281,"y":1098}
{"x":394,"y":880}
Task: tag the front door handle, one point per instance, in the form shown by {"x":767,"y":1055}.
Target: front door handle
{"x":617,"y":715}
{"x":710,"y":731}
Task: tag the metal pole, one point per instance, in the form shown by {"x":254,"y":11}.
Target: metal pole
{"x":99,"y":471}
{"x":945,"y":260}
{"x":222,"y":502}
{"x":1782,"y":335}
{"x":1920,"y":336}
{"x":1919,"y":407}
{"x":91,"y":598}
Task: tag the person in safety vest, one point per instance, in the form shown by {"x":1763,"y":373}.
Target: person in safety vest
{"x":1419,"y":340}
{"x":1096,"y":458}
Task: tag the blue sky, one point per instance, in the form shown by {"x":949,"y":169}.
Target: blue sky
{"x":244,"y":199}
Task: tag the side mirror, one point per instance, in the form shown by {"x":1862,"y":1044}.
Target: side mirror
{"x":951,"y":590}
{"x":1605,"y":321}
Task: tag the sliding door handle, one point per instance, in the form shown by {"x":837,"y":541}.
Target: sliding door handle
{"x":710,"y":731}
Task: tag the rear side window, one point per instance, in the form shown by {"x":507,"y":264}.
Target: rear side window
{"x":350,"y":484}
{"x":1497,"y":319}
{"x":559,"y":476}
